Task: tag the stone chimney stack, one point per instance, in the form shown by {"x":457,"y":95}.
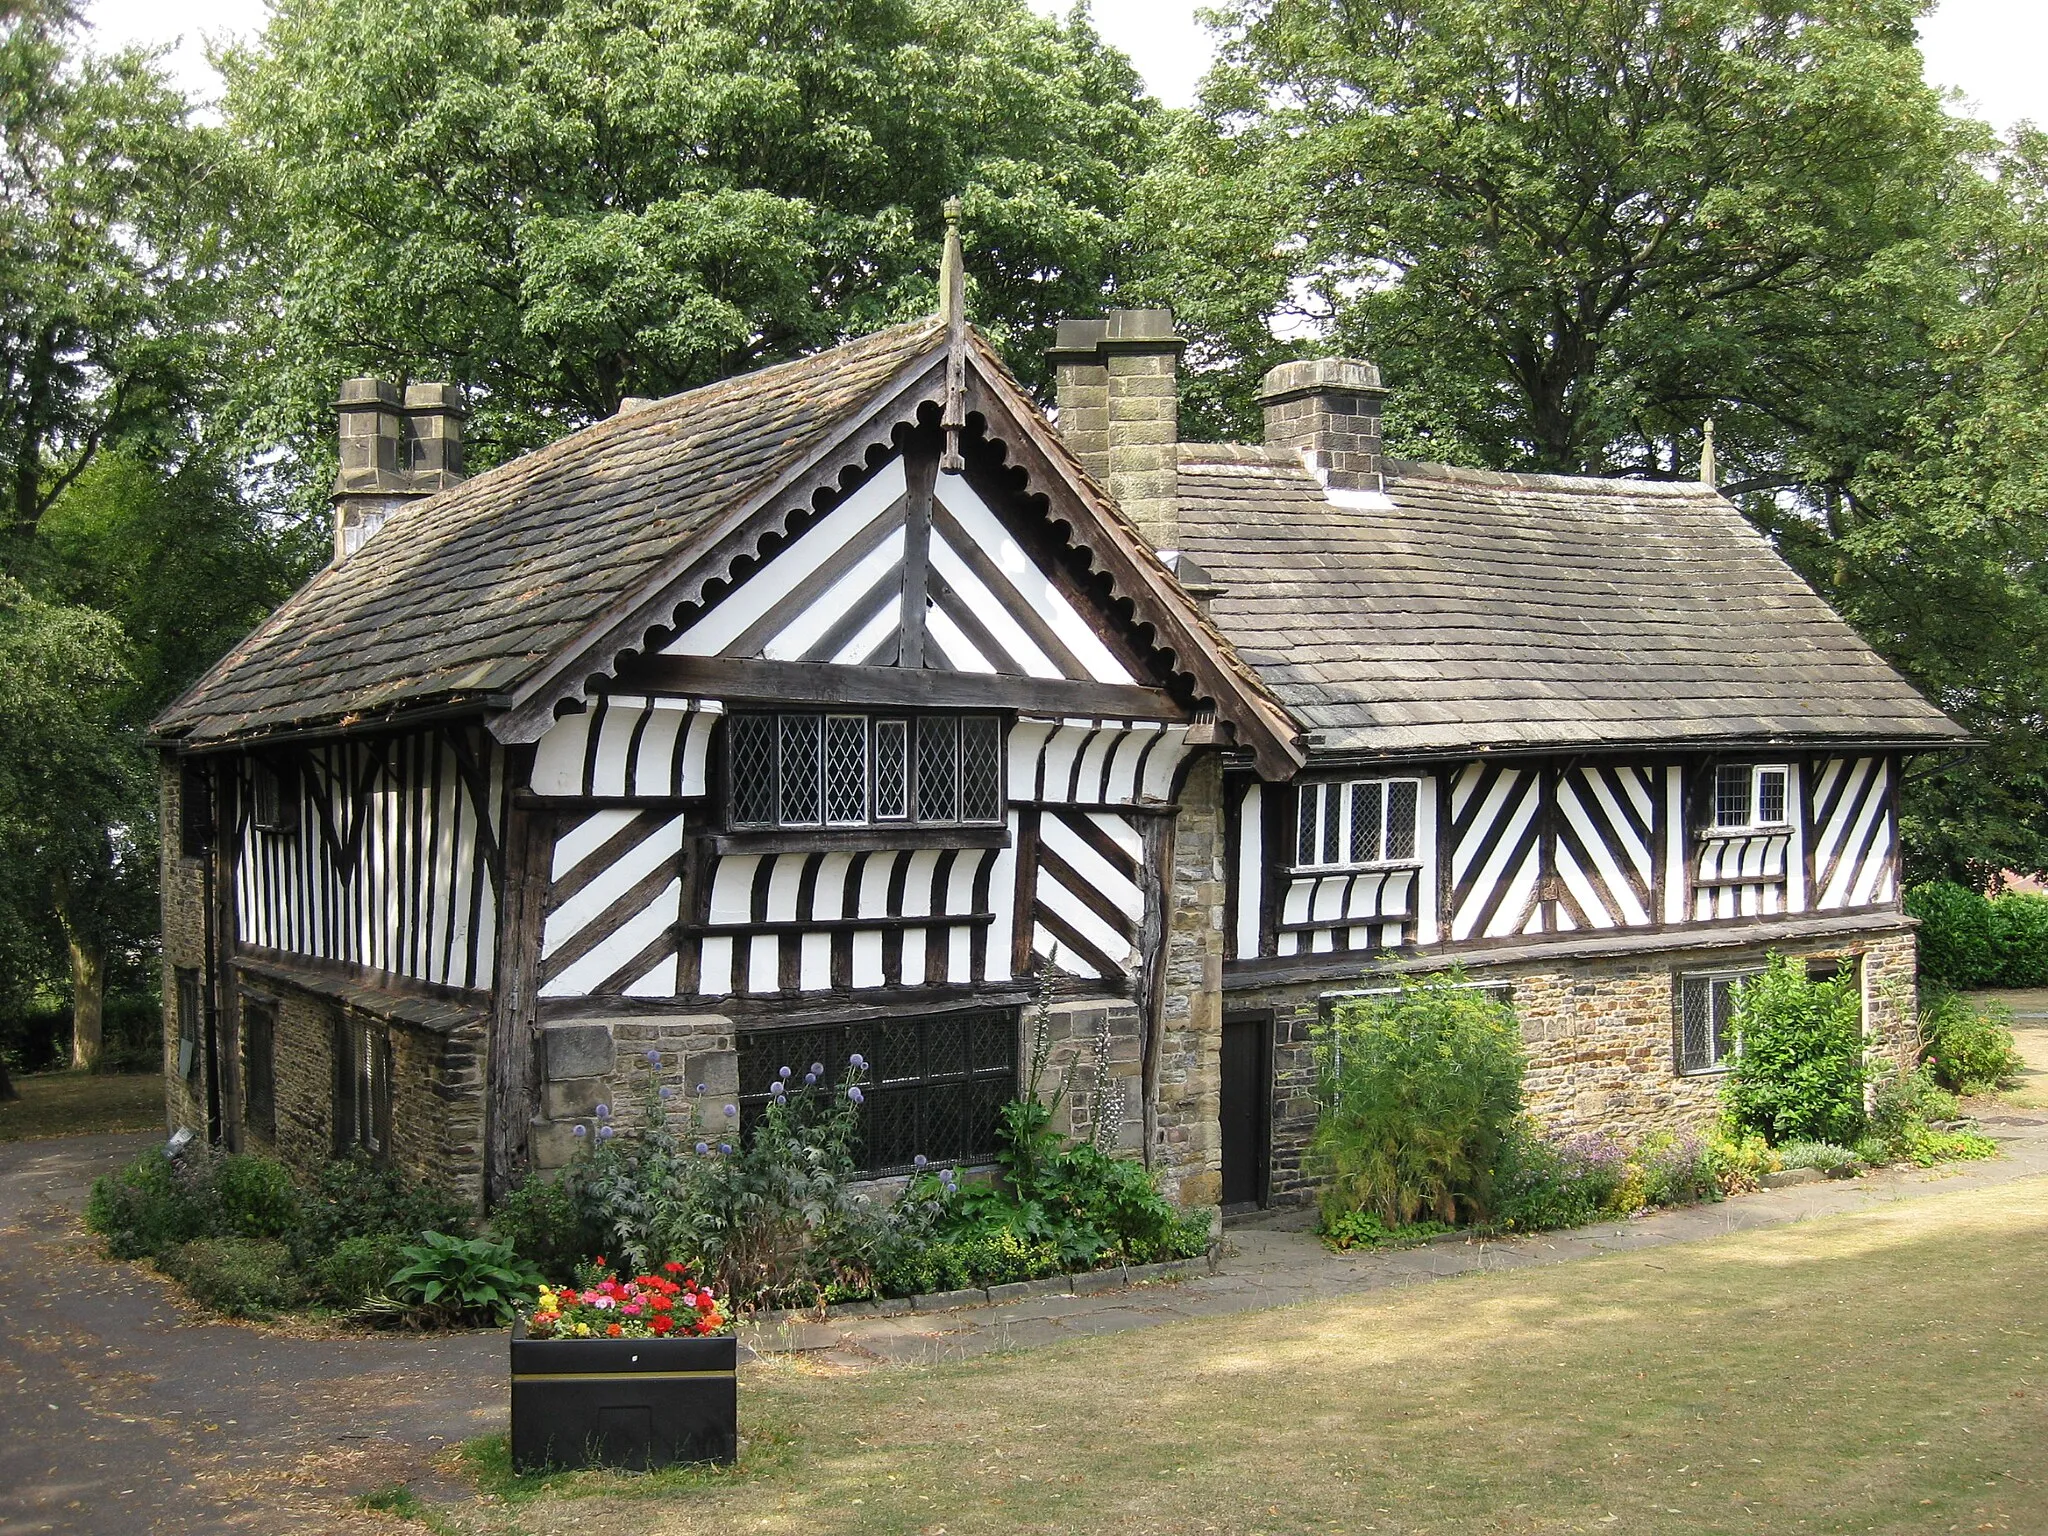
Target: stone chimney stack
{"x":1119,"y":400}
{"x":394,"y":449}
{"x":1328,"y":410}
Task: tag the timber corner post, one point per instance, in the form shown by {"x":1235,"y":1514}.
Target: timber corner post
{"x":512,"y":1073}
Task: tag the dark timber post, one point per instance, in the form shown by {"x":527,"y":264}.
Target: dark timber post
{"x":511,"y":1069}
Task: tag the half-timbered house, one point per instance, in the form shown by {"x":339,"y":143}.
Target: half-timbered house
{"x":826,"y":709}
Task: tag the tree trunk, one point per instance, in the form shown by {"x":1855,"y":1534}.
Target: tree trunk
{"x":7,"y":1093}
{"x":88,"y":1002}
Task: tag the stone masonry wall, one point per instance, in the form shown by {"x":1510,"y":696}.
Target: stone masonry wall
{"x":184,"y":920}
{"x":588,"y":1063}
{"x":1187,"y":1152}
{"x":1600,"y":1038}
{"x":1072,"y":1031}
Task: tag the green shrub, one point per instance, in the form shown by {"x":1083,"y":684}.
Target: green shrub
{"x":1418,"y":1090}
{"x":546,"y":1227}
{"x":2019,"y":937}
{"x":1957,"y":945}
{"x":359,"y":1268}
{"x":1675,"y":1169}
{"x":457,"y":1279}
{"x":252,"y":1196}
{"x":354,"y":1197}
{"x":241,"y":1276}
{"x":1740,"y":1159}
{"x":1836,"y":1162}
{"x":146,"y":1208}
{"x":1967,"y":1051}
{"x":1902,"y":1101}
{"x":1362,"y":1229}
{"x":1799,"y":1072}
{"x":1925,"y":1146}
{"x":1540,"y":1185}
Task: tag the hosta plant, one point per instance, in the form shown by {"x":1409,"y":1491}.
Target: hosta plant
{"x":458,"y":1279}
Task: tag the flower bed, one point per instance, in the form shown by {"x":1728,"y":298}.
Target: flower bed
{"x":602,"y":1305}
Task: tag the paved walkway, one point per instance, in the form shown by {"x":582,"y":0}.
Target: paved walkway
{"x":127,"y":1412}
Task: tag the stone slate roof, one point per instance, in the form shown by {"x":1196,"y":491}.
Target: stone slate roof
{"x":460,"y":596}
{"x":1470,"y":610}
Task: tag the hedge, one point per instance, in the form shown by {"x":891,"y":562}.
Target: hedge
{"x":1970,"y":940}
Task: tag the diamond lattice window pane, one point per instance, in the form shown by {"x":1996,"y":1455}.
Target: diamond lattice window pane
{"x":1696,"y":1025}
{"x":892,"y":770}
{"x":1723,"y":1036}
{"x":846,"y":770}
{"x":1305,"y":844}
{"x":798,"y":770}
{"x":750,"y":768}
{"x":981,"y":768}
{"x":1401,"y":809}
{"x":1331,"y":819}
{"x":1366,"y":807}
{"x":938,"y":768}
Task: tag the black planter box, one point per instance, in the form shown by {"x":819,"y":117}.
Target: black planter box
{"x":632,"y":1403}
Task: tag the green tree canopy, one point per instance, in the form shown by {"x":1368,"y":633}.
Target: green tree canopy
{"x":563,"y":204}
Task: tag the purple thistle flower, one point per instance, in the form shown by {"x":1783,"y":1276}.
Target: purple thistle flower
{"x":725,"y":1147}
{"x":776,"y":1086}
{"x":783,"y":1073}
{"x":604,"y":1132}
{"x":604,"y":1111}
{"x":582,"y":1130}
{"x":810,"y":1079}
{"x":857,"y":1061}
{"x":703,"y":1087}
{"x":654,"y":1058}
{"x":856,"y":1095}
{"x":703,"y":1147}
{"x":731,"y":1110}
{"x":667,"y":1092}
{"x":817,"y":1069}
{"x":920,"y":1160}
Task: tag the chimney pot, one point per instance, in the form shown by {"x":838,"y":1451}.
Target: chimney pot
{"x":1119,"y":411}
{"x":395,"y":447}
{"x":1328,"y":410}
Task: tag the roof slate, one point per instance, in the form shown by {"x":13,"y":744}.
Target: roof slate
{"x":1469,"y":610}
{"x":462,"y":595}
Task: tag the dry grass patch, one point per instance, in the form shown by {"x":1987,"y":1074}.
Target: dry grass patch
{"x":1879,"y":1372}
{"x":83,"y":1103}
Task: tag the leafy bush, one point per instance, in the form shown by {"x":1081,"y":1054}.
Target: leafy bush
{"x":462,"y":1279}
{"x":1957,"y":948}
{"x":359,"y":1269}
{"x":546,"y":1227}
{"x":1901,"y":1102}
{"x":354,"y":1197}
{"x":1800,"y":1071}
{"x":996,"y":1257}
{"x":1419,"y":1090}
{"x":146,"y":1208}
{"x":1740,"y":1159}
{"x":1676,"y":1168}
{"x":241,"y":1276}
{"x":252,"y":1197}
{"x":1925,"y":1146}
{"x":2019,"y":938}
{"x":1967,"y":1051}
{"x":1362,"y":1229}
{"x":1541,"y":1185}
{"x":1836,"y":1162}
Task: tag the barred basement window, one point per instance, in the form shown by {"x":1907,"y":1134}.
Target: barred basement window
{"x":362,"y":1088}
{"x":1706,"y":1019}
{"x":1750,"y":795}
{"x":934,"y":1086}
{"x":1362,"y":823}
{"x":808,"y":770}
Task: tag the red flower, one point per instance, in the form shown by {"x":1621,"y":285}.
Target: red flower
{"x":613,"y":1331}
{"x":674,"y":1267}
{"x":659,"y":1326}
{"x":707,"y":1303}
{"x":598,"y":1261}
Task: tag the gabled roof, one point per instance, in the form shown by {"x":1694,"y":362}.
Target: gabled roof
{"x":1466,"y":610}
{"x":459,"y":597}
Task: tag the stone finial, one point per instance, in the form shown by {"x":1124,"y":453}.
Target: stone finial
{"x":1709,"y":474}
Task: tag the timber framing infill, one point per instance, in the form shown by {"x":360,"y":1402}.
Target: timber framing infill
{"x":1114,"y":547}
{"x":799,"y":683}
{"x":736,"y":545}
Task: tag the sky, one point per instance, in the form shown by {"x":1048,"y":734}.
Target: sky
{"x":1989,"y":50}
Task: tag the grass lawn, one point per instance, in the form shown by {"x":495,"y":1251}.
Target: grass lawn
{"x":74,"y":1103}
{"x":1879,"y":1372}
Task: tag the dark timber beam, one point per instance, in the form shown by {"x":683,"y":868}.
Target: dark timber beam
{"x":813,"y":682}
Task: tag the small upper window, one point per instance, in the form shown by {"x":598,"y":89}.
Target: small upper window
{"x":1750,"y":795}
{"x":811,"y":770}
{"x":1364,"y":822}
{"x":270,"y":799}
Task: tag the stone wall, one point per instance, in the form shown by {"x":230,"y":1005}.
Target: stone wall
{"x":1187,"y":1153}
{"x":184,"y":927}
{"x":1600,"y":1034}
{"x":1072,"y":1031}
{"x":591,"y":1063}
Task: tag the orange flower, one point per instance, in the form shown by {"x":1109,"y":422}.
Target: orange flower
{"x":613,"y":1331}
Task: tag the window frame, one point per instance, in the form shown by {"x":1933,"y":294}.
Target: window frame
{"x":191,"y":1010}
{"x":975,"y":1088}
{"x":907,"y":726}
{"x":1723,"y":1044}
{"x":276,"y":786}
{"x":362,"y":1087}
{"x":1344,"y":792}
{"x":259,"y":1067}
{"x":1753,"y":782}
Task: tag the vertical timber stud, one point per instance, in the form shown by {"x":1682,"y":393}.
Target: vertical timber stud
{"x":921,"y":472}
{"x":220,"y":921}
{"x":1156,"y":872}
{"x":512,"y":1064}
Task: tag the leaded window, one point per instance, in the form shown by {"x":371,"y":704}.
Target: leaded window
{"x":934,"y":1087}
{"x":1361,"y":823}
{"x":1706,"y":1018}
{"x":800,"y":769}
{"x":362,"y":1088}
{"x":1751,"y":795}
{"x":259,"y":1067}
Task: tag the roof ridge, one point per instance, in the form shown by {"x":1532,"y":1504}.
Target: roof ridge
{"x":1613,"y":485}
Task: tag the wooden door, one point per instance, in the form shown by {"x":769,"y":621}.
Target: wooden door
{"x":1245,"y":1109}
